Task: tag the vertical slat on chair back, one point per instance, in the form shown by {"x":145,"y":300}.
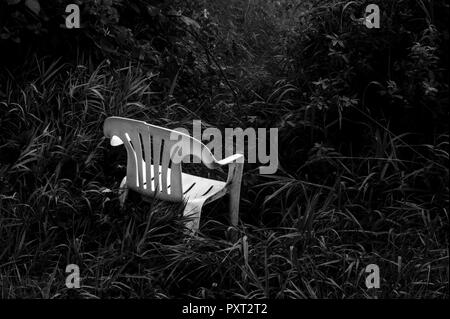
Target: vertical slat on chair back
{"x":168,"y":186}
{"x":150,"y":170}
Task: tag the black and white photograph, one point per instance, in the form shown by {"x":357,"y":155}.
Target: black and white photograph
{"x":211,"y":150}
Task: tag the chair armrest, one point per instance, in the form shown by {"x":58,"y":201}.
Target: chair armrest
{"x":236,"y":166}
{"x":116,"y":141}
{"x":238,"y":158}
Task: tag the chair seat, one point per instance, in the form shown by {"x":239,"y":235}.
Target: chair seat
{"x":194,"y":187}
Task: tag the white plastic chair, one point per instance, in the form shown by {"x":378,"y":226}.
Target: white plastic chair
{"x":155,"y":151}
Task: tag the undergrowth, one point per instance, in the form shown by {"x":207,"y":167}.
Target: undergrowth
{"x":363,"y":147}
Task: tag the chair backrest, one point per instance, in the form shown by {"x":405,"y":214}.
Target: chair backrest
{"x":154,"y":156}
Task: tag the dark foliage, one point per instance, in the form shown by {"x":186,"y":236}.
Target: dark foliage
{"x":363,"y":147}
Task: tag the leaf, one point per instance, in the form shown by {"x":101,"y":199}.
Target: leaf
{"x":33,"y":5}
{"x":190,"y":22}
{"x":12,"y":2}
{"x":4,"y":36}
{"x":153,"y":11}
{"x":174,"y":13}
{"x":135,"y":8}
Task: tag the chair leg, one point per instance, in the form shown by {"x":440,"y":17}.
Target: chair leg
{"x":123,"y":192}
{"x":235,"y":193}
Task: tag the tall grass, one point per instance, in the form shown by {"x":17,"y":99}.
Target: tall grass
{"x":307,"y":231}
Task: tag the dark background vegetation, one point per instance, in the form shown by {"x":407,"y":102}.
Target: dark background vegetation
{"x":363,"y":147}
